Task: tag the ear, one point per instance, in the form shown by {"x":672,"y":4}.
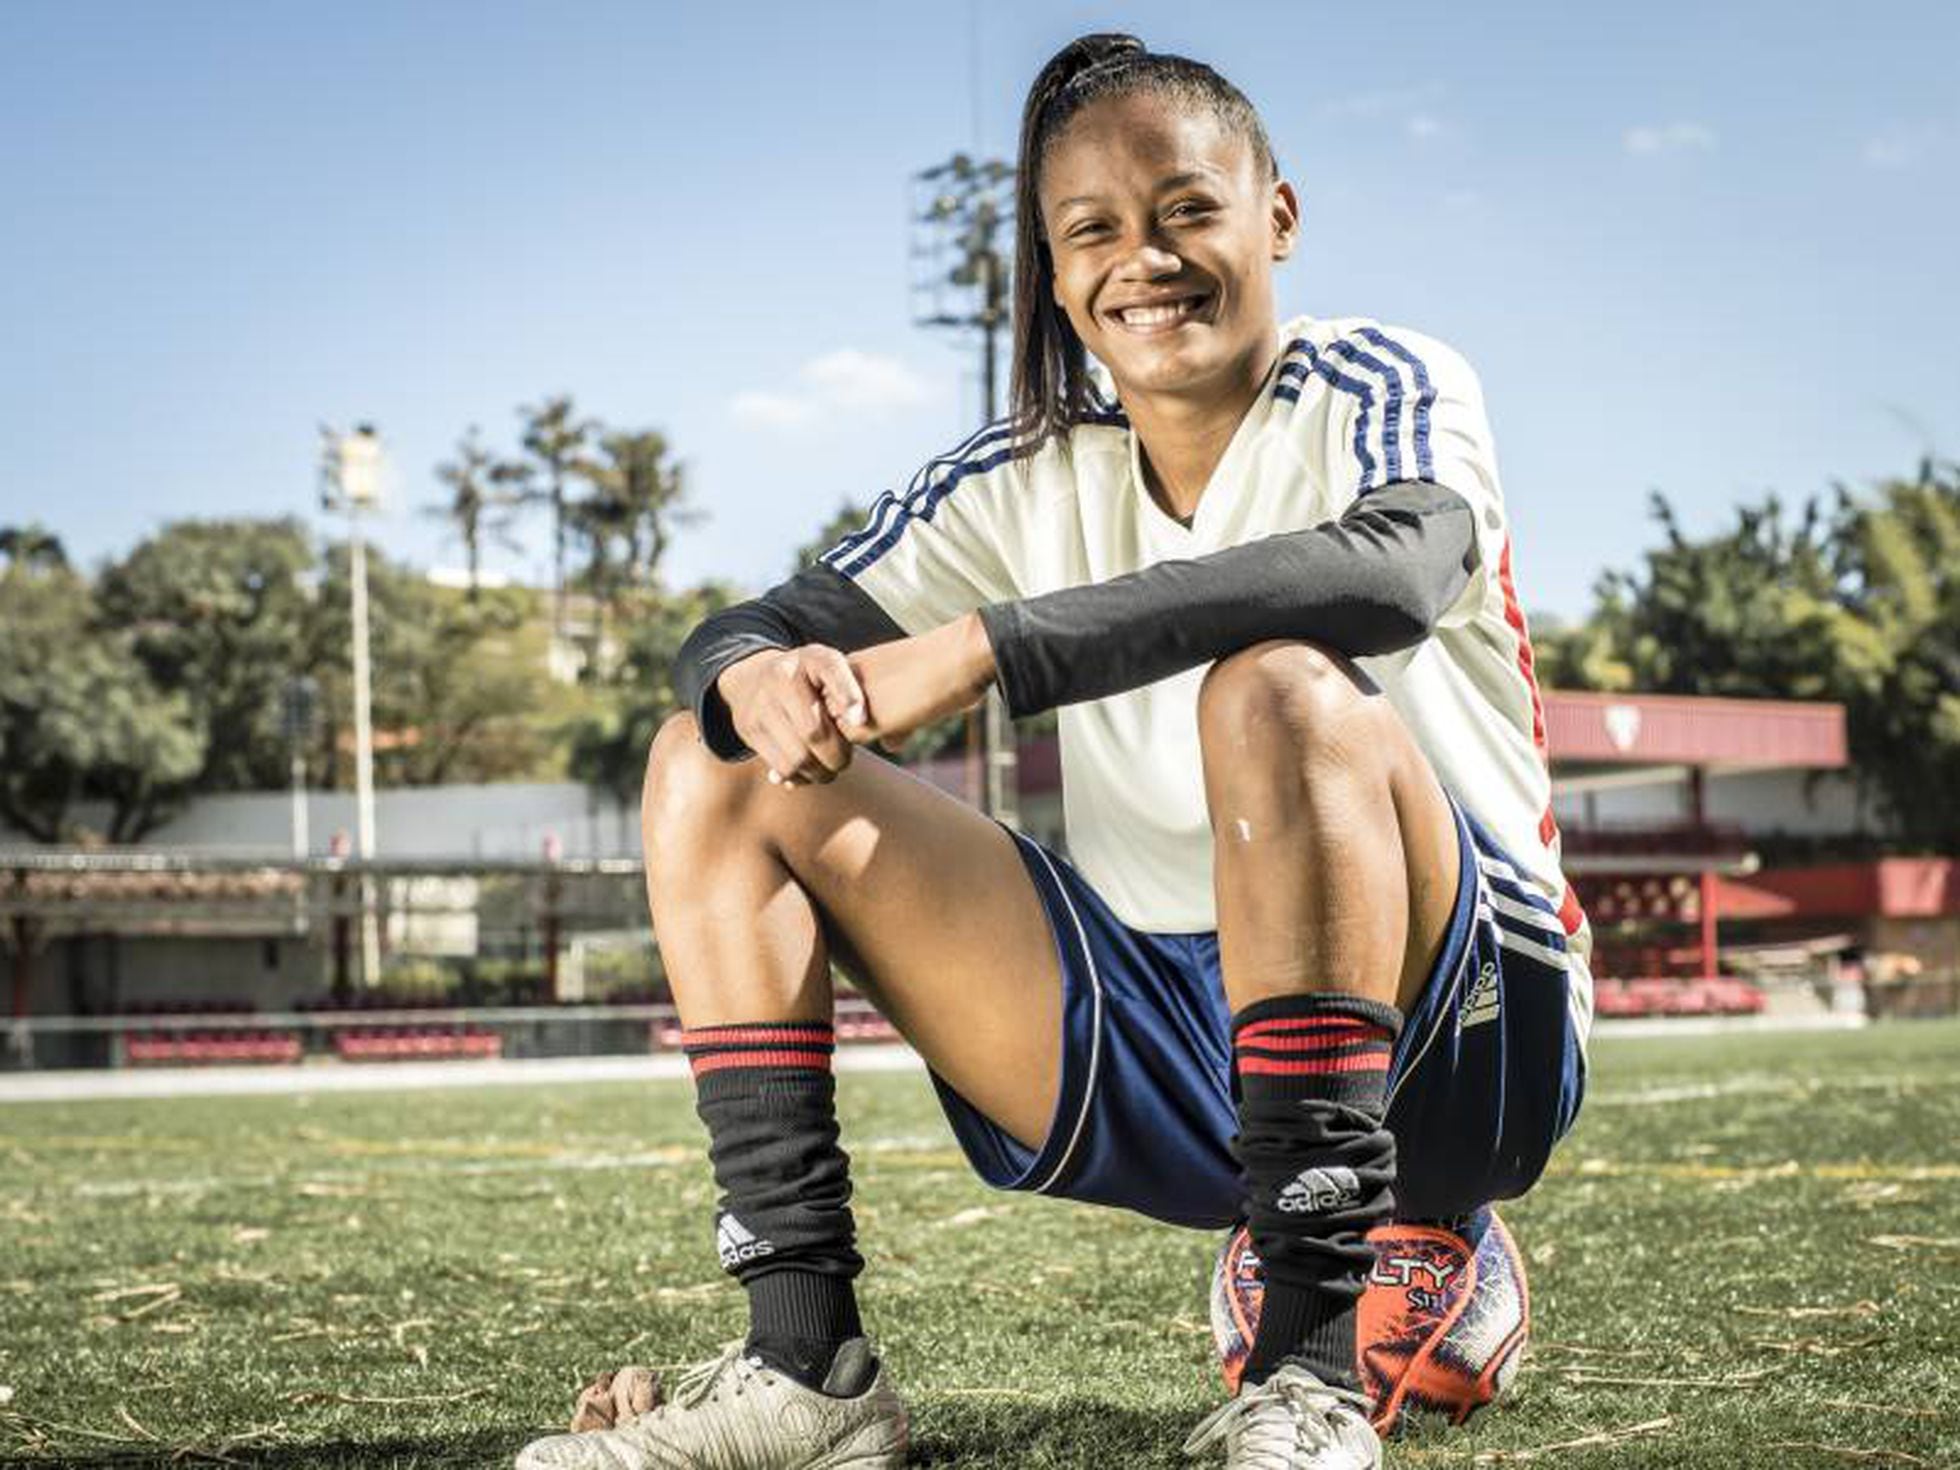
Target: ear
{"x":1286,"y":220}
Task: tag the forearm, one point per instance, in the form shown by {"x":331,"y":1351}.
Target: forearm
{"x":1372,"y":582}
{"x":817,"y":605}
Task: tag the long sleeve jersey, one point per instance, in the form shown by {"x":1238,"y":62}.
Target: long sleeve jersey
{"x":1357,"y":506}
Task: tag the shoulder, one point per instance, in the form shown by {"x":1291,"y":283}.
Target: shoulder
{"x":1369,"y":353}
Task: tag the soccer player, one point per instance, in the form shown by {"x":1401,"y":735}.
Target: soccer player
{"x":1313,"y":964}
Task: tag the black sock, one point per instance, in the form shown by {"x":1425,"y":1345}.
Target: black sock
{"x":1318,"y":1166}
{"x":784,"y":1229}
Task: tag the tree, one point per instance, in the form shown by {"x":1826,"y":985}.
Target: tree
{"x":80,"y":716}
{"x":220,"y":611}
{"x":483,"y":491}
{"x":32,"y":547}
{"x":456,"y":689}
{"x":556,"y":440}
{"x":627,"y":521}
{"x":1858,"y":603}
{"x":609,"y":745}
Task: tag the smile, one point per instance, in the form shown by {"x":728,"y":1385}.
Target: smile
{"x":1159,"y":316}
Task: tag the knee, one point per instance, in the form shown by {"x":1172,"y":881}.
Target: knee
{"x":688,"y":789}
{"x":1287,"y":701}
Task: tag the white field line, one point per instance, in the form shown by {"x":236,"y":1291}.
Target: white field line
{"x":77,"y":1085}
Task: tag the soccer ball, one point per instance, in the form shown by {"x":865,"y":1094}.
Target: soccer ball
{"x":1441,"y":1325}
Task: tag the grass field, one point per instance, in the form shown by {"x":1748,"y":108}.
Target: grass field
{"x":1747,"y":1254}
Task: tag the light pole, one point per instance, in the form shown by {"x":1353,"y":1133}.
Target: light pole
{"x":350,"y":481}
{"x":967,"y":203}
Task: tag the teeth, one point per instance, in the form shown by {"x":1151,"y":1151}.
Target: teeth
{"x":1157,"y":316}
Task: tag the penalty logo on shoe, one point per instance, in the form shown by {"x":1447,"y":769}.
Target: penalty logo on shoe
{"x":736,"y":1243}
{"x":1441,"y":1324}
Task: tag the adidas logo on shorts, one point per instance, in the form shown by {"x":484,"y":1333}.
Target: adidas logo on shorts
{"x":736,"y":1243}
{"x":1319,"y":1190}
{"x":1481,"y":1002}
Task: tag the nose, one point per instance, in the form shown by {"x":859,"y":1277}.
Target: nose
{"x":1151,"y":261}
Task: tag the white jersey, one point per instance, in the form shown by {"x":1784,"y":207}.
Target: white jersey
{"x":1350,"y":406}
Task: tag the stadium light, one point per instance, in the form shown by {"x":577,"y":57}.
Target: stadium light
{"x":351,"y":468}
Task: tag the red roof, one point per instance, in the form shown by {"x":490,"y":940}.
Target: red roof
{"x":1678,"y":729}
{"x":1888,"y":888}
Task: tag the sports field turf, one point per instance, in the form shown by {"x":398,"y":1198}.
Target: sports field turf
{"x":1747,"y":1254}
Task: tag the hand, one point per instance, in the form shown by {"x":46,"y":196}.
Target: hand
{"x":911,"y":682}
{"x":789,"y":705}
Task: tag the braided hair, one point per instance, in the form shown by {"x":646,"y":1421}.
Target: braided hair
{"x":1051,"y":389}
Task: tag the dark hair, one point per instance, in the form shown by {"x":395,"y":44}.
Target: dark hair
{"x":1051,"y":388}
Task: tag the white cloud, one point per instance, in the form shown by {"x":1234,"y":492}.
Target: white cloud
{"x":1675,"y":137}
{"x":770,"y":410}
{"x":1900,"y":148}
{"x":845,"y":381}
{"x":848,"y":378}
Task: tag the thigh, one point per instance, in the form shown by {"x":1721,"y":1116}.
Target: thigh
{"x":927,"y":905}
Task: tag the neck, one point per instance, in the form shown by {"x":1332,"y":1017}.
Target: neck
{"x":1183,"y":437}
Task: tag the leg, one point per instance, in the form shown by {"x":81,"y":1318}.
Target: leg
{"x":926,"y":901}
{"x":1336,"y":871}
{"x":1336,"y":851}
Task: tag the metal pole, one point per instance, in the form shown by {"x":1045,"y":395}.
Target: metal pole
{"x":363,"y":754}
{"x":1003,"y":777}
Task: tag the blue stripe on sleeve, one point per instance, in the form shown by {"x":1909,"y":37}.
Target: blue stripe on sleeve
{"x":1289,"y":391}
{"x":1391,"y":431}
{"x":1425,"y":396}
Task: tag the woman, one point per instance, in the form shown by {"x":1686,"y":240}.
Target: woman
{"x":1314,"y":912}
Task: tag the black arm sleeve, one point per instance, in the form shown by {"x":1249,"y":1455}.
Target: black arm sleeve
{"x":817,"y":605}
{"x":1372,"y":582}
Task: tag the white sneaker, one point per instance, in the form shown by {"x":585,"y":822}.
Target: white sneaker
{"x":1292,"y":1421}
{"x":737,"y":1413}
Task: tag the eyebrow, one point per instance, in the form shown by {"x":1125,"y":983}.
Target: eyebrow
{"x":1175,"y":181}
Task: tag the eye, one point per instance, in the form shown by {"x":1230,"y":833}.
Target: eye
{"x":1085,"y":230}
{"x":1190,"y":209}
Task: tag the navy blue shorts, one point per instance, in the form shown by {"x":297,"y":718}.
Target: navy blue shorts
{"x":1487,"y":1075}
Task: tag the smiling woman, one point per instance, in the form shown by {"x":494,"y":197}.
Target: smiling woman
{"x":1310,"y":965}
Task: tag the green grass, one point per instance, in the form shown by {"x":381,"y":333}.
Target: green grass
{"x":1751,"y":1246}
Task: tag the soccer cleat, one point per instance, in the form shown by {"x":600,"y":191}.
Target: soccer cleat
{"x":1292,"y":1421}
{"x":735,"y":1412}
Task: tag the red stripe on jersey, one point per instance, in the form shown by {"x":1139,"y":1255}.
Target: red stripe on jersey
{"x":1527,"y":660}
{"x":758,"y":1035}
{"x":1569,"y":912}
{"x":1373,"y":1061}
{"x":815,"y":1061}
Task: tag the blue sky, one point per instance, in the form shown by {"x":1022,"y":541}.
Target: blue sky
{"x":1703,"y":248}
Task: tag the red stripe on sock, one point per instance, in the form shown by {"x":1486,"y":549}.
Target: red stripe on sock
{"x":759,"y":1035}
{"x":1265,"y":1067}
{"x":1319,"y":1027}
{"x":814,"y":1061}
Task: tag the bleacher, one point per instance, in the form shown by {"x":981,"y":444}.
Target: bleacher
{"x":177,"y":1039}
{"x":1661,"y":995}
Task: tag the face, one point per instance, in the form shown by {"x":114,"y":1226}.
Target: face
{"x":1163,"y":226}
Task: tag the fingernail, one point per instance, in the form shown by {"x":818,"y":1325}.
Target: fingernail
{"x":774,"y":779}
{"x":855,"y":714}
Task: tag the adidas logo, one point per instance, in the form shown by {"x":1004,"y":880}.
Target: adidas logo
{"x":1481,"y":1003}
{"x":1319,"y":1190}
{"x":736,"y":1243}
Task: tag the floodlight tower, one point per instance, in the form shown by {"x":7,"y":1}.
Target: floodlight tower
{"x":960,"y":209}
{"x":350,"y":480}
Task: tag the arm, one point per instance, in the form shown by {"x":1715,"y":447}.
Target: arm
{"x":1374,"y":581}
{"x":817,"y":605}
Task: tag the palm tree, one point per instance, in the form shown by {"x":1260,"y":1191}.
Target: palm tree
{"x":638,"y":498}
{"x":556,"y":442}
{"x":32,"y":548}
{"x":480,"y":498}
